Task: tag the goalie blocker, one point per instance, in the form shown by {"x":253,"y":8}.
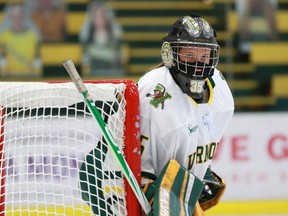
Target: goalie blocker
{"x":179,"y":192}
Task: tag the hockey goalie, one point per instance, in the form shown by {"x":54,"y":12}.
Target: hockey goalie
{"x":185,"y":108}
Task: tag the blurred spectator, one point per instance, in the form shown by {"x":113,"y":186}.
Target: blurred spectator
{"x":257,"y":22}
{"x":101,"y":39}
{"x":50,"y":18}
{"x":19,"y":44}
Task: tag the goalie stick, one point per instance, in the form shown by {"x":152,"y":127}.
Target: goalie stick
{"x":78,"y":82}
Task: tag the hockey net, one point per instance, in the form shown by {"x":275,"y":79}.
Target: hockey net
{"x":53,"y":158}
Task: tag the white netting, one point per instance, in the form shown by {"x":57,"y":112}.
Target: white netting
{"x":56,"y":162}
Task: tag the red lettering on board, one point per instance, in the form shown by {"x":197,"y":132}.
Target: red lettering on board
{"x":239,"y":148}
{"x":278,"y":147}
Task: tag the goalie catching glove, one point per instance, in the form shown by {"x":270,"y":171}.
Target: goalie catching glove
{"x":175,"y":192}
{"x":214,"y":188}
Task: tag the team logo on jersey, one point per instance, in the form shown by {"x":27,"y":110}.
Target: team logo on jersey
{"x":159,"y":96}
{"x":202,"y":154}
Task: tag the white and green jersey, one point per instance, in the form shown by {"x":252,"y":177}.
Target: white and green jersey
{"x":174,"y":126}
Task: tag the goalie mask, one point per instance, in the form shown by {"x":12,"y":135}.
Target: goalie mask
{"x":191,"y":53}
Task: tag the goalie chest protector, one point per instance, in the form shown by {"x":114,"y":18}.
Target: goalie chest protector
{"x":174,"y":126}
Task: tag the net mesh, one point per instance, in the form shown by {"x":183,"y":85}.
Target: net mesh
{"x":54,"y":160}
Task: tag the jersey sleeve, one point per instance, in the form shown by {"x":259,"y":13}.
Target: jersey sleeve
{"x":147,"y":168}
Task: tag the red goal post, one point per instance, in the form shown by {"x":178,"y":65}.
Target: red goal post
{"x":52,"y":156}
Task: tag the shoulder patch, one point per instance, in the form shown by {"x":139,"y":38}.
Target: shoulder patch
{"x":158,"y":96}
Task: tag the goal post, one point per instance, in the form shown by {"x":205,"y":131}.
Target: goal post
{"x":53,"y":158}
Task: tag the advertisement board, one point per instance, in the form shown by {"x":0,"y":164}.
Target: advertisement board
{"x":253,"y":157}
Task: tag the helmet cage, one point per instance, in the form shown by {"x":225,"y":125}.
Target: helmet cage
{"x":197,"y":66}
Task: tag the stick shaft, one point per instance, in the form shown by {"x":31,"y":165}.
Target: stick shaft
{"x":71,"y":69}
